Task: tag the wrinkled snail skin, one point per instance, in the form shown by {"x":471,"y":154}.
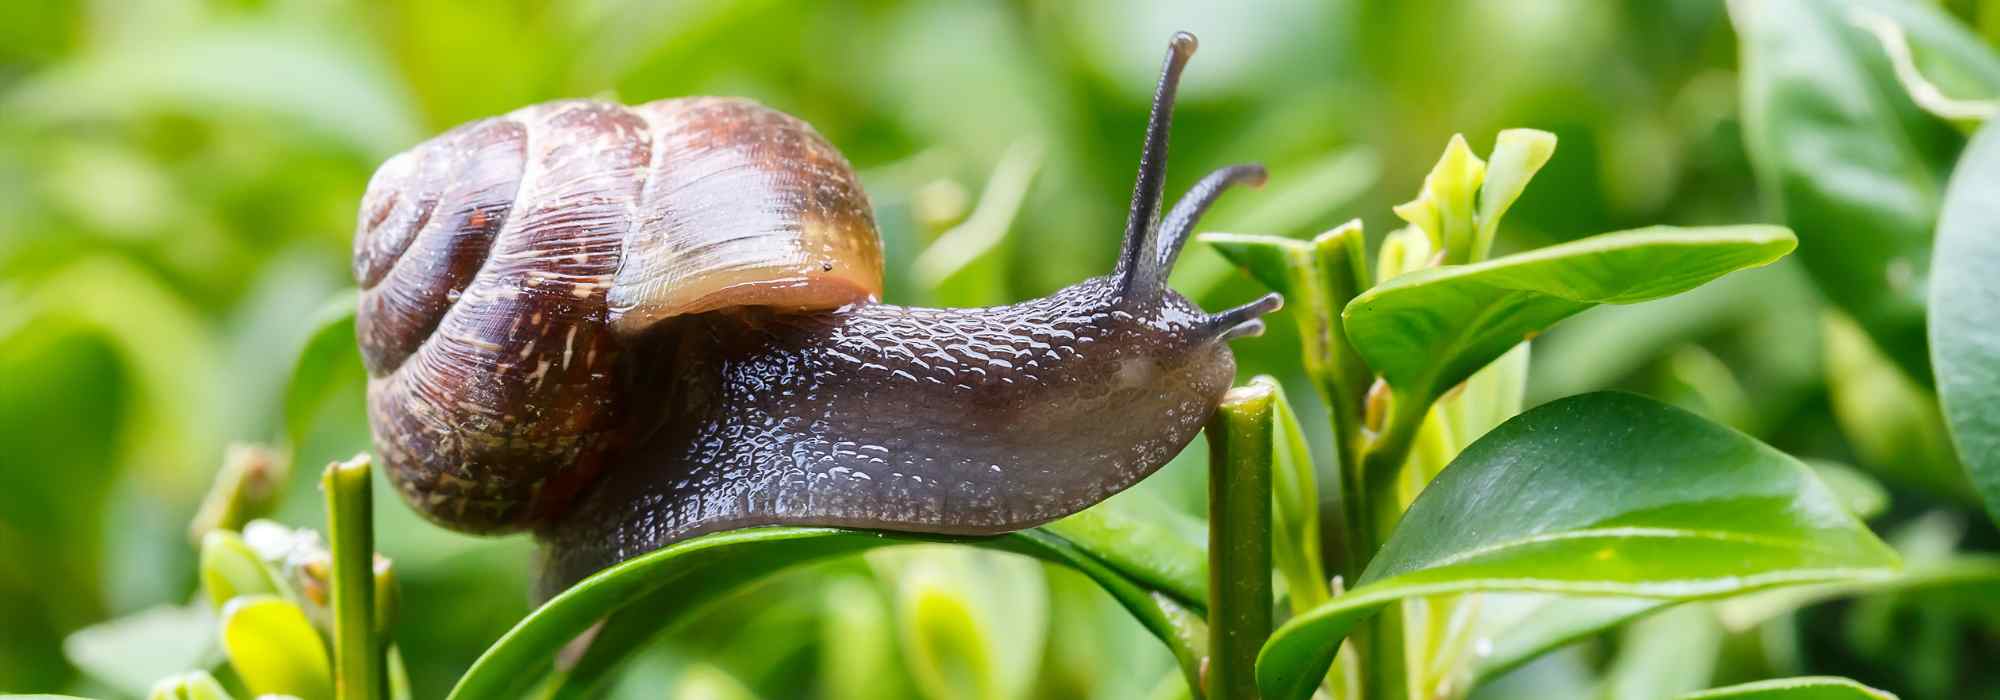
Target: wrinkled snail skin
{"x":944,"y":421}
{"x":620,"y":327}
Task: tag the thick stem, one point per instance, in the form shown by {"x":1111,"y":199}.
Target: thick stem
{"x":357,"y":648}
{"x":1239,"y":540}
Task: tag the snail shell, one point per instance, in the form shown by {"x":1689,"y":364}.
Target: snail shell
{"x":508,"y":265}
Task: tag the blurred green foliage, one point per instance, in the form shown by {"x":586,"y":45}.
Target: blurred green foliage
{"x":178,"y":180}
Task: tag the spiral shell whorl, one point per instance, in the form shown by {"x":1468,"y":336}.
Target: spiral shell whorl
{"x":498,"y":259}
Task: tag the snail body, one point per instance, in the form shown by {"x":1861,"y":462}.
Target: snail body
{"x":621,"y":327}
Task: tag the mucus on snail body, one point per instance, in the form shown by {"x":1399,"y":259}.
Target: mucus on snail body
{"x":621,"y":327}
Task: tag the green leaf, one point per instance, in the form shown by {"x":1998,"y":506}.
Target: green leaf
{"x":132,"y":653}
{"x":1426,"y":331}
{"x":274,"y":648}
{"x":858,"y":654}
{"x":1665,"y":655}
{"x":653,"y":592}
{"x":229,"y":568}
{"x":1517,"y":155}
{"x":1854,"y":165}
{"x":1443,"y":209}
{"x":1599,"y":494}
{"x":1965,"y":314}
{"x":1295,"y":534}
{"x":1317,"y":278}
{"x":1865,"y":497}
{"x":1895,"y":425}
{"x":1139,"y":545}
{"x":1150,"y":569}
{"x":1521,"y":627}
{"x":972,"y":624}
{"x":1960,"y":77}
{"x":193,"y":685}
{"x":326,"y":361}
{"x":1971,"y":577}
{"x":705,"y":682}
{"x":328,"y":86}
{"x":1808,"y":688}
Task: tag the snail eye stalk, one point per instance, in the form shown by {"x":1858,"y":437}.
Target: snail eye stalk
{"x":1243,"y":321}
{"x":1135,"y":269}
{"x":1178,"y":227}
{"x":1151,"y":244}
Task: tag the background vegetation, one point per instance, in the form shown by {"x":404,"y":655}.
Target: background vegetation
{"x":178,"y":181}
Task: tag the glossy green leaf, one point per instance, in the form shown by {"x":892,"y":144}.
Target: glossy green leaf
{"x":1965,"y":314}
{"x":326,"y":360}
{"x":1809,"y":688}
{"x":1134,"y":537}
{"x":1854,"y":165}
{"x":1599,"y":494}
{"x":274,"y":648}
{"x":1428,"y":330}
{"x":1152,"y":570}
{"x":655,"y":591}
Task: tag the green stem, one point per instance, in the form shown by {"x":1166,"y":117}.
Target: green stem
{"x":1384,"y":668}
{"x":1239,"y":540}
{"x":1340,"y":272}
{"x":1383,"y":460}
{"x":358,"y":660}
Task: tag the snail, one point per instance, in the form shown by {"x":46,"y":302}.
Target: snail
{"x":621,"y":327}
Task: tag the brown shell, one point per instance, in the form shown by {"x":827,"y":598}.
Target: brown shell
{"x":509,"y":265}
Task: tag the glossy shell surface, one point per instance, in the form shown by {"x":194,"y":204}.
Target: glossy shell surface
{"x":509,"y":268}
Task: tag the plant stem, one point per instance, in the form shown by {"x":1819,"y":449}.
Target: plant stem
{"x":1339,"y":273}
{"x":1381,"y":642}
{"x":357,"y":650}
{"x":1383,"y":460}
{"x":1239,"y":540}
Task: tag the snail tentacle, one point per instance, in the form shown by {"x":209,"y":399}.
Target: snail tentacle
{"x":1138,"y":276}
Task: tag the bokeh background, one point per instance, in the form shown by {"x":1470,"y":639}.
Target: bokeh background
{"x":178,"y":183}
